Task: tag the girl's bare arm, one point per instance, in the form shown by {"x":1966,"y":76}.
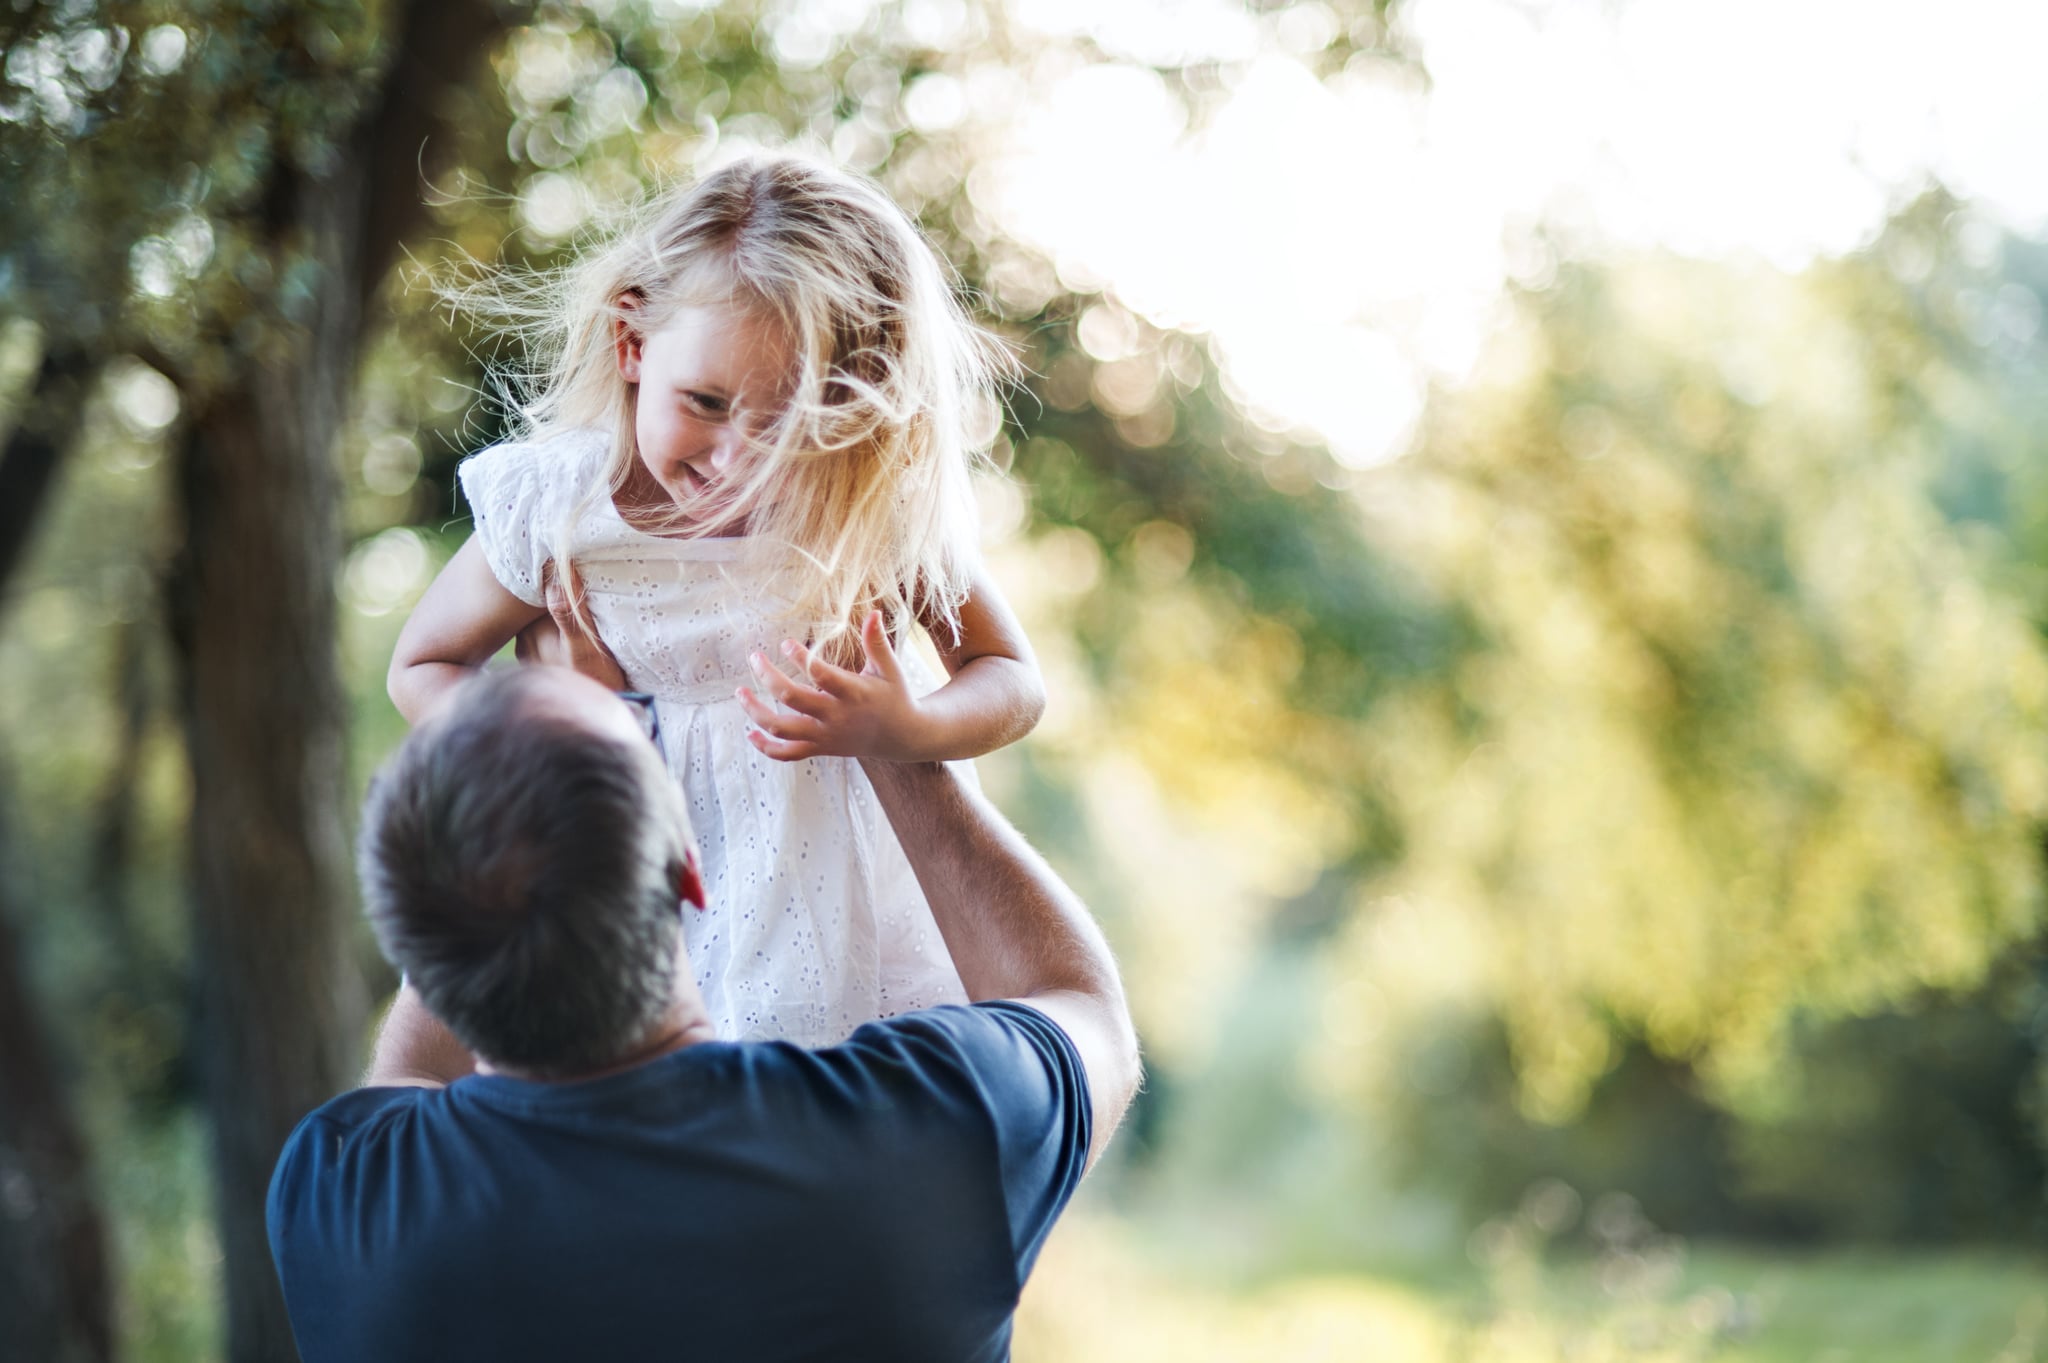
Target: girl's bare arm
{"x":464,"y":618}
{"x":995,"y":695}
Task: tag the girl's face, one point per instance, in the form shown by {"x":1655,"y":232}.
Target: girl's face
{"x":714,"y":376}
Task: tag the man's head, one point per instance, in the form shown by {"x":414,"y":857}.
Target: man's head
{"x":523,"y":857}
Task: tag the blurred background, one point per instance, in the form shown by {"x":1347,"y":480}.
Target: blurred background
{"x":1535,"y":514}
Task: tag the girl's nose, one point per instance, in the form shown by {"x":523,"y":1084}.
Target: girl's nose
{"x":724,"y":449}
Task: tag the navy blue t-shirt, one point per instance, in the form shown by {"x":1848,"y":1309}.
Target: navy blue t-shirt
{"x":880,"y":1199}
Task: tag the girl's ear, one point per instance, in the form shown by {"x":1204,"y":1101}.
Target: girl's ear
{"x":626,"y":336}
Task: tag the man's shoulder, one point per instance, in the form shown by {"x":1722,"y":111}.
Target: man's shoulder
{"x":364,"y":1109}
{"x":329,"y":1132}
{"x":1016,"y":1074}
{"x":1005,"y":1038}
{"x":1002,"y":1022}
{"x":1006,"y":1059}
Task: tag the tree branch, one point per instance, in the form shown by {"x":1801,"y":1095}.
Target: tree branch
{"x":438,"y":43}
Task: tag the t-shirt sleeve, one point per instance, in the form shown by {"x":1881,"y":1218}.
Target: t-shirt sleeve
{"x":1044,"y":1121}
{"x":507,"y":488}
{"x":1028,"y":1080}
{"x":313,"y":1207}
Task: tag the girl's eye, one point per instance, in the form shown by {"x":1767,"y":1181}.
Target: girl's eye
{"x":708,"y":404}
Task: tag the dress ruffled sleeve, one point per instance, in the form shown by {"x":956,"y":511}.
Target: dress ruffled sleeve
{"x":508,"y":492}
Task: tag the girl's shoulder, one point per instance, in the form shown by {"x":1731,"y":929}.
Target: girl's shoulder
{"x":534,"y":476}
{"x":521,"y":494}
{"x":549,"y":458}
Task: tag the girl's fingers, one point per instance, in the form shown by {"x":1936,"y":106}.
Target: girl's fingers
{"x":782,"y":750}
{"x":780,"y":723}
{"x":881,"y":653}
{"x":826,"y":677}
{"x":804,"y":699}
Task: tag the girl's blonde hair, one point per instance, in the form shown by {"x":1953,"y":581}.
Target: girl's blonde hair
{"x":865,"y":470}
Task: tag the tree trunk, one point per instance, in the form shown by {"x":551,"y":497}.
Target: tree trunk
{"x":253,"y":610}
{"x":55,"y":1297}
{"x":252,"y":604}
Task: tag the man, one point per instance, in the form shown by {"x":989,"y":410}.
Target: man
{"x":554,"y":1159}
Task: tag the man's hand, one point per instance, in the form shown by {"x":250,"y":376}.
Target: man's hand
{"x":869,"y":713}
{"x":559,"y":637}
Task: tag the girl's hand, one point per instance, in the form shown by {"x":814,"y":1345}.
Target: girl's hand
{"x":869,"y":713}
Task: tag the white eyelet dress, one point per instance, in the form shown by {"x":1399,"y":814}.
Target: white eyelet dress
{"x":815,"y":922}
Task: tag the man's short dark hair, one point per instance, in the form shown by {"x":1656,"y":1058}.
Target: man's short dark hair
{"x":522,"y":872}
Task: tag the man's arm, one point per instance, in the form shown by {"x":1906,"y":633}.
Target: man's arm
{"x":414,"y":1049}
{"x":1014,"y":928}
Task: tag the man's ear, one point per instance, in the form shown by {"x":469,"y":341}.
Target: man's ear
{"x":626,"y":336}
{"x":690,"y":879}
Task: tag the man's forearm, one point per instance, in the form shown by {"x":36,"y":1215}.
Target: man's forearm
{"x":1013,"y":926}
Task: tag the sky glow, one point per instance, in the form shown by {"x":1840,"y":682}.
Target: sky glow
{"x":1345,"y":242}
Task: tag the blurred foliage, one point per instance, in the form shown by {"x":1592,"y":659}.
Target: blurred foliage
{"x":1750,"y":732}
{"x":1720,"y":840}
{"x":1905,"y":1130}
{"x":186,"y":110}
{"x":1640,"y":785}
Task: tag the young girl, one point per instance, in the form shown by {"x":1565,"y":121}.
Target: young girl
{"x":746,"y":453}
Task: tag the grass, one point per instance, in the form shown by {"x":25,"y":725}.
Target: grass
{"x":1097,"y":1299}
{"x":1863,"y":1307}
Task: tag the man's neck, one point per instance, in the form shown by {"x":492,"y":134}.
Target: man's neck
{"x":678,"y":1028}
